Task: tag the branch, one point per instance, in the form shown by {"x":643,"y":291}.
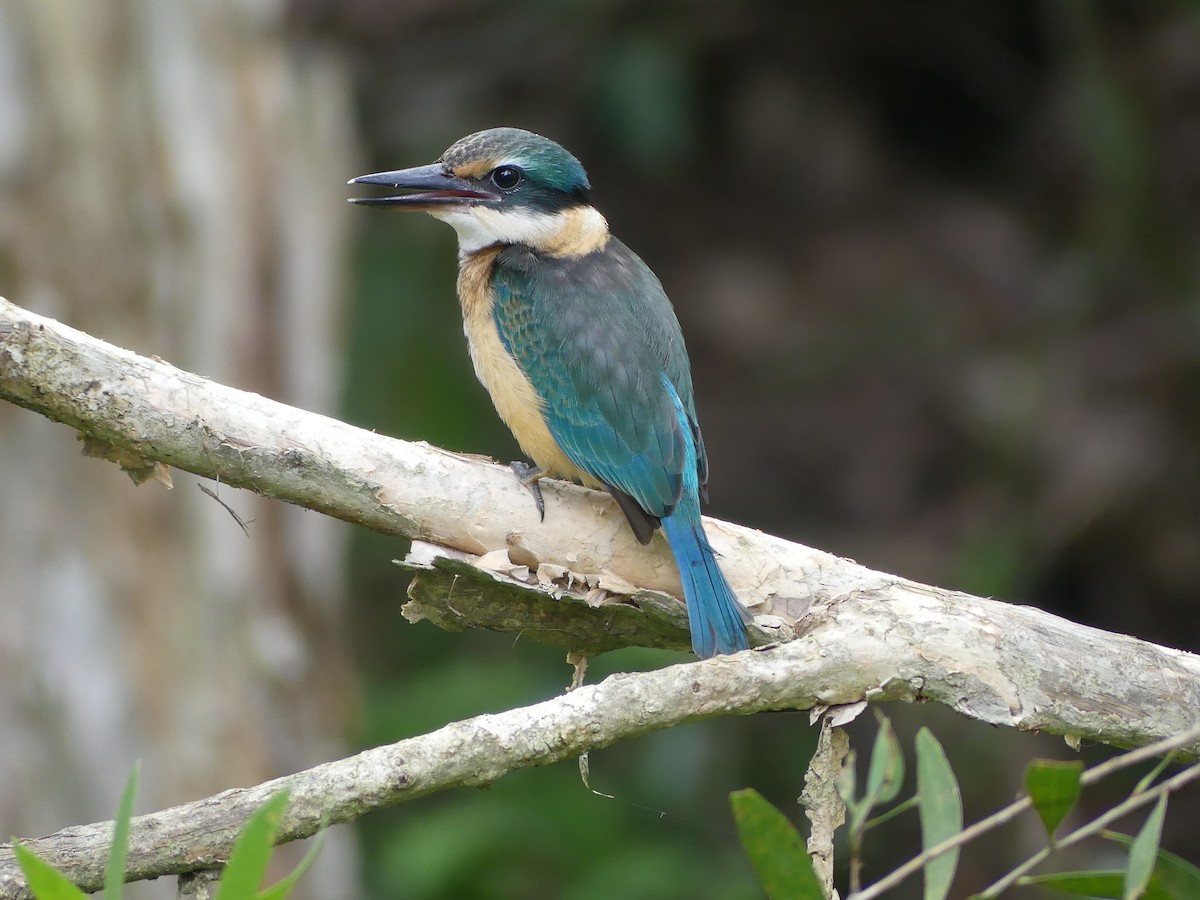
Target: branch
{"x":879,"y":636}
{"x":473,"y":752}
{"x":863,"y":634}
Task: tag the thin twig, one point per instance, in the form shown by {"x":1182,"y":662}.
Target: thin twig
{"x":242,"y":523}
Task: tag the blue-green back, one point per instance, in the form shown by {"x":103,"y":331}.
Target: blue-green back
{"x":595,"y":334}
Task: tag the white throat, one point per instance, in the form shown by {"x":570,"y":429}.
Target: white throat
{"x":580,"y":229}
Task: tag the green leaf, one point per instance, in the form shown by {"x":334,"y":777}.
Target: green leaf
{"x":114,"y":872}
{"x":940,"y":811}
{"x":847,"y":780}
{"x":252,"y":851}
{"x":1079,"y":884}
{"x":847,"y":784}
{"x":283,"y":887}
{"x":1108,"y":884}
{"x":775,"y":848}
{"x":886,"y":772}
{"x":1143,"y":852}
{"x":1177,"y":878}
{"x":45,"y":881}
{"x":1053,"y":786}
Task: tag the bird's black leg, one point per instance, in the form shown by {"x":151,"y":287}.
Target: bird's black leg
{"x":530,"y":476}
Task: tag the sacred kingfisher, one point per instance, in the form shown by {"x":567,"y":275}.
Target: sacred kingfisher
{"x":578,"y":345}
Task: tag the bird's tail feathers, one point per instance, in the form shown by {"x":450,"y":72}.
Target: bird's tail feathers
{"x":717,"y":620}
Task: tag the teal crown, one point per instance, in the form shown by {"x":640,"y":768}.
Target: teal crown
{"x":541,"y":159}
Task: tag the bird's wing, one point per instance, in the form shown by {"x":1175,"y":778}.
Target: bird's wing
{"x":596,"y":335}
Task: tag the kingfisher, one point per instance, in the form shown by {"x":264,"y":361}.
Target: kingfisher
{"x":575,"y":340}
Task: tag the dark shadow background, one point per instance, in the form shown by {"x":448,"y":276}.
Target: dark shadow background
{"x":937,"y":267}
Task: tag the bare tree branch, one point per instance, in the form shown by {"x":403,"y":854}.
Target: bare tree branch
{"x":863,"y":634}
{"x":473,"y":752}
{"x":150,"y":412}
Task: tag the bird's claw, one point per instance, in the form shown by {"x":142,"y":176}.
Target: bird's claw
{"x":530,"y":476}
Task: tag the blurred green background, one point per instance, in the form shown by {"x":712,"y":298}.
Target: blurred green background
{"x":937,"y":267}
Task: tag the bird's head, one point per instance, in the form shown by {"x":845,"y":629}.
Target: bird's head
{"x":501,"y":186}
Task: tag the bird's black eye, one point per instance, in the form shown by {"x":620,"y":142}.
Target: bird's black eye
{"x":506,"y":177}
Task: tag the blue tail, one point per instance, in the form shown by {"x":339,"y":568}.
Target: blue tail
{"x":717,"y":620}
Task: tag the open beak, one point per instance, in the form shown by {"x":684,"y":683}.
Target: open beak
{"x":432,"y":186}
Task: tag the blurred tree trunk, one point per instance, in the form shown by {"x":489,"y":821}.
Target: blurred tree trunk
{"x":172,"y":179}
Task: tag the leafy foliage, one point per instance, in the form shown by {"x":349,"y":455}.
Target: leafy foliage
{"x":248,"y":860}
{"x":1144,"y":851}
{"x":1171,"y":877}
{"x":114,"y":872}
{"x":885,"y":775}
{"x":46,"y":882}
{"x":240,"y":880}
{"x":1172,"y":874}
{"x":1053,"y":786}
{"x":940,"y":807}
{"x":775,"y":848}
{"x":778,"y":854}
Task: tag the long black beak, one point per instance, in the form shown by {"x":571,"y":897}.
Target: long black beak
{"x":433,"y":184}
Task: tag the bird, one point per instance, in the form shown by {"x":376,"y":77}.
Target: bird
{"x":574,"y":338}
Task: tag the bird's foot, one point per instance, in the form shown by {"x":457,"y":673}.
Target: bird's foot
{"x":530,"y":476}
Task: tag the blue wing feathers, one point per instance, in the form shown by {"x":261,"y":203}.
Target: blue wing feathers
{"x":599,"y":341}
{"x":594,"y":335}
